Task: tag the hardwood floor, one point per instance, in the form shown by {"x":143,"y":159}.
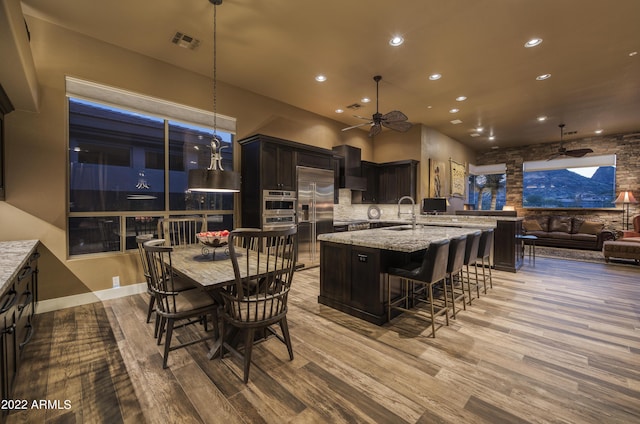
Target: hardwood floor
{"x":558,"y":343}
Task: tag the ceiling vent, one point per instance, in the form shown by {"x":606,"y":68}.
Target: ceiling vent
{"x":354,"y":106}
{"x":186,"y":41}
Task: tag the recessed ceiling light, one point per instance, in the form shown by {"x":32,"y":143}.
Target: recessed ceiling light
{"x":321,"y":78}
{"x":454,"y":110}
{"x":533,"y":42}
{"x":434,"y":77}
{"x":475,"y":134}
{"x":491,"y":138}
{"x":633,"y":53}
{"x":365,"y":100}
{"x":339,"y":110}
{"x":543,"y":77}
{"x":541,"y":118}
{"x":429,"y":107}
{"x":396,"y":40}
{"x":456,"y":122}
{"x":479,"y":129}
{"x":598,"y":131}
{"x":461,"y":98}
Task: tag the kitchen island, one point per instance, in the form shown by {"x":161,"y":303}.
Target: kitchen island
{"x":354,"y":264}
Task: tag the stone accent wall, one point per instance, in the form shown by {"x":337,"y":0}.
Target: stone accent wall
{"x":626,"y":147}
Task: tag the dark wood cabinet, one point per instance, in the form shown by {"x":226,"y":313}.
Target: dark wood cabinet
{"x":371,"y":173}
{"x":17,"y":309}
{"x":397,"y":179}
{"x":269,"y":163}
{"x":351,"y":281}
{"x":507,"y":246}
{"x":278,"y":167}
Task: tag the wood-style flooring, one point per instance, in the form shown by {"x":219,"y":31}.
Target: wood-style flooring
{"x":558,"y":343}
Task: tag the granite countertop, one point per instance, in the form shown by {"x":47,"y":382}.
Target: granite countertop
{"x":13,"y":256}
{"x":401,"y":238}
{"x":461,"y":221}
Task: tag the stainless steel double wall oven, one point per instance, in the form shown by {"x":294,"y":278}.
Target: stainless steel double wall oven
{"x":278,"y":209}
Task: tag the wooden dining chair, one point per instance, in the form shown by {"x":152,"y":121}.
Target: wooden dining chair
{"x":181,"y":231}
{"x":173,"y":306}
{"x":180,"y":284}
{"x":258,"y":299}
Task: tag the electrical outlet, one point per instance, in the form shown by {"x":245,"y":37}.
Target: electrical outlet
{"x":116,"y":282}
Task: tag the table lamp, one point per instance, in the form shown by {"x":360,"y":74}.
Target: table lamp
{"x":625,"y":198}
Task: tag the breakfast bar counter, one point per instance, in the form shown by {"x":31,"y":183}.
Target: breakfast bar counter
{"x":353,"y":265}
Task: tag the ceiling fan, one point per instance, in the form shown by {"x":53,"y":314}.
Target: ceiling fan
{"x":562,"y":151}
{"x":394,"y":120}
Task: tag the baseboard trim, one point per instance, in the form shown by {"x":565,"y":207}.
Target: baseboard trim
{"x":86,"y":298}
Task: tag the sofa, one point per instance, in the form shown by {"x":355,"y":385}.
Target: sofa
{"x":567,"y":231}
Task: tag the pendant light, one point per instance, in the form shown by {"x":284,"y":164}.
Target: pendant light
{"x":214,"y":178}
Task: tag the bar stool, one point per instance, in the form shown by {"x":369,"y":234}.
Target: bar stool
{"x":430,"y":272}
{"x":470,"y":258}
{"x":455,"y":263}
{"x":484,"y":252}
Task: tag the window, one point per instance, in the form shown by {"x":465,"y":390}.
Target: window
{"x":128,"y":169}
{"x":586,"y":183}
{"x":487,"y":187}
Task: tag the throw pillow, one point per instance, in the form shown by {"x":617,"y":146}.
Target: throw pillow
{"x":531,"y":225}
{"x":561,"y":224}
{"x":591,"y":227}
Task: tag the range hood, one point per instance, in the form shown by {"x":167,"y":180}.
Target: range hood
{"x":350,"y":172}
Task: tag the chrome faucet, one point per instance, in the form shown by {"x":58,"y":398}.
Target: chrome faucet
{"x":413,"y":212}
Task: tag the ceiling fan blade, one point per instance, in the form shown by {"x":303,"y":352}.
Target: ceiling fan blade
{"x":578,"y":153}
{"x":556,"y":155}
{"x":401,"y":126}
{"x":362,"y":117}
{"x":394,"y":115}
{"x":375,"y":130}
{"x":357,"y":126}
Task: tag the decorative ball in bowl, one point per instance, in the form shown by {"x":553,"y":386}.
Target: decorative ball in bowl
{"x":214,"y":238}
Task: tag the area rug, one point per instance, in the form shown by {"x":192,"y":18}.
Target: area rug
{"x":594,"y":256}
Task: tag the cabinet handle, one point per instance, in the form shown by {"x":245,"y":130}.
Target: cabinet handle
{"x":26,"y":271}
{"x":11,"y":329}
{"x":28,"y":338}
{"x":8,"y":304}
{"x":27,"y":302}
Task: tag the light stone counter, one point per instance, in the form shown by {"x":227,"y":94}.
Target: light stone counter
{"x":13,"y":256}
{"x":400,"y":238}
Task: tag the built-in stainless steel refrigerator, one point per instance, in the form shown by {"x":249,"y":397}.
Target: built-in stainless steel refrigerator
{"x":314,"y":211}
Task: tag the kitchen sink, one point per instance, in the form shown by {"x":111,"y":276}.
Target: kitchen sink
{"x":402,"y":228}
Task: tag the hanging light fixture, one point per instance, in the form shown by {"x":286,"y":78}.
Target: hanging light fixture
{"x":214,"y":178}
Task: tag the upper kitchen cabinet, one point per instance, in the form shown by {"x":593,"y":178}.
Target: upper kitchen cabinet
{"x":278,"y":167}
{"x":397,"y":179}
{"x":371,"y":174}
{"x":269,"y":163}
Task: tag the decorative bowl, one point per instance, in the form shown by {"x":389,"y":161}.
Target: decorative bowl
{"x":214,"y":238}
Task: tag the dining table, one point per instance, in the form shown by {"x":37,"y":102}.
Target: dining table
{"x":212,"y":272}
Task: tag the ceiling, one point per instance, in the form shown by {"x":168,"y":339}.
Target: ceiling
{"x":275,"y":48}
